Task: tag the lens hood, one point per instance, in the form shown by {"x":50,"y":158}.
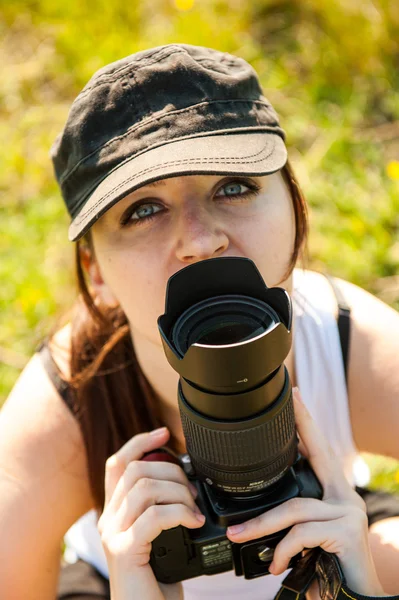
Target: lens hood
{"x":226,"y":368}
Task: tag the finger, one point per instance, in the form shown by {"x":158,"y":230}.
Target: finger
{"x":319,"y":453}
{"x":149,"y":492}
{"x":297,"y":510}
{"x":157,"y":519}
{"x":139,"y":469}
{"x":306,"y":535}
{"x":302,"y":448}
{"x":134,"y":449}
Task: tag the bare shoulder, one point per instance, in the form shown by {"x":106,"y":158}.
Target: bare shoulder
{"x":373,"y":371}
{"x":44,"y":485}
{"x":35,"y":420}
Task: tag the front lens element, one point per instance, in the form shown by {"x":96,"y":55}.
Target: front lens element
{"x":223,"y":321}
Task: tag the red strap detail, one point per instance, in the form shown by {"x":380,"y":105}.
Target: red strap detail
{"x":161,"y":455}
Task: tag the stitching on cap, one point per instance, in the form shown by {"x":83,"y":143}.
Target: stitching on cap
{"x":159,"y":54}
{"x":185,"y":161}
{"x":142,"y":124}
{"x":109,"y":77}
{"x":181,"y":161}
{"x":234,"y":131}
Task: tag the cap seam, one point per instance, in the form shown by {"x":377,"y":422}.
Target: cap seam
{"x":137,"y":126}
{"x":126,"y":69}
{"x":199,"y":160}
{"x":186,"y":161}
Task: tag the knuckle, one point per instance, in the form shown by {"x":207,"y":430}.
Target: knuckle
{"x":295,"y":507}
{"x":112,"y":462}
{"x":145,"y":484}
{"x":134,"y":470}
{"x":105,"y":537}
{"x":298,"y":530}
{"x":154,"y":512}
{"x":186,"y":492}
{"x":178,"y":473}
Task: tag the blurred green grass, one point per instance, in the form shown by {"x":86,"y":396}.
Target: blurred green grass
{"x":329,"y":68}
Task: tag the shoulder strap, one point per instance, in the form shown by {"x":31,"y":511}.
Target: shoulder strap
{"x":61,"y":385}
{"x":344,"y":322}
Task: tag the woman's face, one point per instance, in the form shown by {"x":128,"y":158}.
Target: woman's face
{"x":161,"y":228}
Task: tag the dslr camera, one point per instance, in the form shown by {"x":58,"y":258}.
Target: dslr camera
{"x":227,"y":335}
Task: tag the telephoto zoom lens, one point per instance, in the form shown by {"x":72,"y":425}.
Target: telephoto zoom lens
{"x":227,"y":335}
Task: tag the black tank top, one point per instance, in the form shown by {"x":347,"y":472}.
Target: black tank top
{"x":61,"y":385}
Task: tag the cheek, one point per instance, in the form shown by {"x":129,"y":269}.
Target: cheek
{"x":137,"y":282}
{"x":271,"y":241}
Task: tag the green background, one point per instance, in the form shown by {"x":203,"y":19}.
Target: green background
{"x":329,"y":68}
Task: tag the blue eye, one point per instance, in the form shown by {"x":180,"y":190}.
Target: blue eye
{"x":144,"y":211}
{"x":233,"y":188}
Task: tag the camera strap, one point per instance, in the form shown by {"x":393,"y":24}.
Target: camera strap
{"x":325,"y":568}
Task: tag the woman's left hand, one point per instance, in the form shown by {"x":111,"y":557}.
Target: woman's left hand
{"x":337,"y":523}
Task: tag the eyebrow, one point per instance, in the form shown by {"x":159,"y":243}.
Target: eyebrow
{"x":155,"y":183}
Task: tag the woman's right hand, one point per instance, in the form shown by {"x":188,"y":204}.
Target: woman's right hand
{"x":141,"y":500}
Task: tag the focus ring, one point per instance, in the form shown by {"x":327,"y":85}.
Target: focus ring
{"x":242,"y":449}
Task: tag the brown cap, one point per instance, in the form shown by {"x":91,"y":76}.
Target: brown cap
{"x":172,"y":110}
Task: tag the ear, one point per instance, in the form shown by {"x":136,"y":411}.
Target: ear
{"x":97,"y":283}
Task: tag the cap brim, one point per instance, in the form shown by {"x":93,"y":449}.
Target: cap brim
{"x":246,"y":153}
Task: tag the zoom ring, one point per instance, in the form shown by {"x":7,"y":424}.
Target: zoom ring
{"x":244,"y":449}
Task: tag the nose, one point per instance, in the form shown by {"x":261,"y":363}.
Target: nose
{"x":200,"y":235}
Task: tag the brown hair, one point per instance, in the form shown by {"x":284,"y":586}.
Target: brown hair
{"x":113,"y":398}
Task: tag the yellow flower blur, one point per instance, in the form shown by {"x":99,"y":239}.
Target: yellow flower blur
{"x":184,"y":4}
{"x":393,"y":169}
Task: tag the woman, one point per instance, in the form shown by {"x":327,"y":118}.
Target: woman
{"x":169,"y":157}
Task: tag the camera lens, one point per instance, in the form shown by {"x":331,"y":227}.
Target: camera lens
{"x":227,"y":335}
{"x":222,"y":321}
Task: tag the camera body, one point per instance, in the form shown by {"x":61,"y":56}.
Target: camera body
{"x":180,"y":553}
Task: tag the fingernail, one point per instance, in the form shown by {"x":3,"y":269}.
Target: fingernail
{"x":193,"y":489}
{"x":160,"y":431}
{"x":200,"y":517}
{"x":295,"y":391}
{"x":235,"y":529}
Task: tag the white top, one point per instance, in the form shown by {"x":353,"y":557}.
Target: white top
{"x":321,"y":380}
